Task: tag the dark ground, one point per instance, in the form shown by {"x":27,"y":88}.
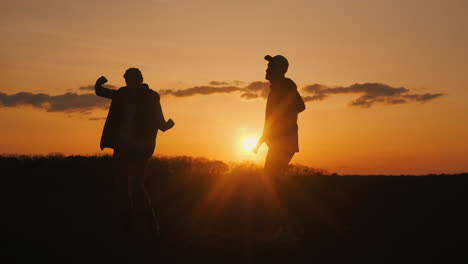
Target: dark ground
{"x":58,"y":209}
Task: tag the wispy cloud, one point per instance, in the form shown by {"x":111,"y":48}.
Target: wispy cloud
{"x":91,"y":87}
{"x":200,"y":90}
{"x":96,"y":118}
{"x":256,"y":89}
{"x":219,"y":83}
{"x":216,"y":83}
{"x":68,"y":102}
{"x":370,"y":94}
{"x":251,"y":91}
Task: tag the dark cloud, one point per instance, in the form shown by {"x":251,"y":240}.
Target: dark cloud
{"x":96,"y":118}
{"x":91,"y":87}
{"x":200,"y":90}
{"x":23,"y":98}
{"x":251,"y":91}
{"x":71,"y":102}
{"x":422,"y":97}
{"x":317,"y":97}
{"x":371,"y":93}
{"x":249,"y":96}
{"x":216,"y":83}
{"x":68,"y":102}
{"x":256,"y":90}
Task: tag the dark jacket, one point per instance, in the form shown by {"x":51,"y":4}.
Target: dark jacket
{"x":283,"y":106}
{"x":148,"y":118}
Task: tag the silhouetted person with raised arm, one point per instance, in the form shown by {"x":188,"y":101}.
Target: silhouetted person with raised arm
{"x":131,"y":127}
{"x":280,"y":131}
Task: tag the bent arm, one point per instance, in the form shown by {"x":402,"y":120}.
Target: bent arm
{"x":167,"y":125}
{"x":163,"y":125}
{"x":299,"y":103}
{"x":104,"y":92}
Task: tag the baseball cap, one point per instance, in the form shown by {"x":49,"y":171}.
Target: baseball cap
{"x":279,"y":61}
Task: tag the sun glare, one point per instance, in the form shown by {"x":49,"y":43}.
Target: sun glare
{"x":249,"y":144}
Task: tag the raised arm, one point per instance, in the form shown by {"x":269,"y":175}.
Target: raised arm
{"x":103,"y":91}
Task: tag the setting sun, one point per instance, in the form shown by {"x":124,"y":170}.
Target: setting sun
{"x":249,"y":144}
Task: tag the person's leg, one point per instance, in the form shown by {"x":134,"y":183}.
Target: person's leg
{"x":276,"y":165}
{"x":120,"y":204}
{"x":277,"y":161}
{"x":289,"y":227}
{"x":143,"y":212}
{"x":284,"y":160}
{"x":144,"y":225}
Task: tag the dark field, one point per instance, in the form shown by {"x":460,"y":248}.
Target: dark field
{"x":58,"y":209}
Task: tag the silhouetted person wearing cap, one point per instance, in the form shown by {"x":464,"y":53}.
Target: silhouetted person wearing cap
{"x":280,"y":131}
{"x":131,"y":127}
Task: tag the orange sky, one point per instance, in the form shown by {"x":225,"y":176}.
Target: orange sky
{"x":54,"y":47}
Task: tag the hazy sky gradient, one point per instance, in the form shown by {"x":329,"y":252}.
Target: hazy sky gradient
{"x":55,"y":47}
